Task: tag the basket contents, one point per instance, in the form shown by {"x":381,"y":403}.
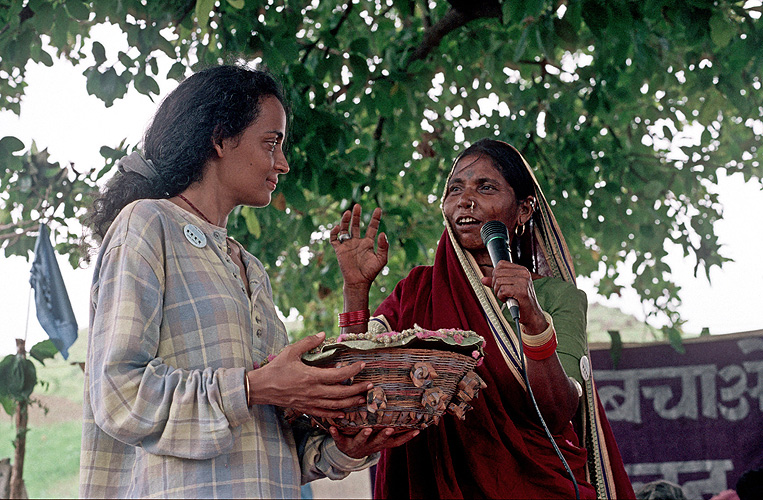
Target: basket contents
{"x":417,"y":375}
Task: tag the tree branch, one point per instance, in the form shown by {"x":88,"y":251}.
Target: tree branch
{"x":25,"y":14}
{"x":451,"y":21}
{"x":345,"y":15}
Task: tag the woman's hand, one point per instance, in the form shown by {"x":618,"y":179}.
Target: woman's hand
{"x":514,"y":281}
{"x":358,"y":261}
{"x":288,"y":382}
{"x":554,"y":392}
{"x":369,"y":441}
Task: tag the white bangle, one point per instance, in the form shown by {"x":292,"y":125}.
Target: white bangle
{"x":541,"y":338}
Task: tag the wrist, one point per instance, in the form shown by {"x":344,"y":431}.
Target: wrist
{"x":363,"y":287}
{"x":257,"y":390}
{"x":536,"y":325}
{"x":354,"y":318}
{"x":543,"y":345}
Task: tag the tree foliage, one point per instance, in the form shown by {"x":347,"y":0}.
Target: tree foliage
{"x":599,"y":96}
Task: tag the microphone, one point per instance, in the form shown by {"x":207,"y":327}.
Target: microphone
{"x":495,"y":236}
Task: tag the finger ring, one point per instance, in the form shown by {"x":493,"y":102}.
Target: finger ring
{"x":343,"y":237}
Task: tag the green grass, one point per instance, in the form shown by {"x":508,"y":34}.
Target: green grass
{"x":51,"y":462}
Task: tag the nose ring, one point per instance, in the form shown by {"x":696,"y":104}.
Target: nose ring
{"x":471,"y":208}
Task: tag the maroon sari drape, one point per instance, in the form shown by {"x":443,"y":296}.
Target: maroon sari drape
{"x":500,"y":450}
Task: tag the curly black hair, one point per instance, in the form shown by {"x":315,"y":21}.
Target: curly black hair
{"x":214,"y":104}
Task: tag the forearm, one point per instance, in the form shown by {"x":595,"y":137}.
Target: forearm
{"x":157,"y":407}
{"x":555,"y":393}
{"x":356,"y":299}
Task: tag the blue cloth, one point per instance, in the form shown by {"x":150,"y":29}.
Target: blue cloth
{"x":54,"y":311}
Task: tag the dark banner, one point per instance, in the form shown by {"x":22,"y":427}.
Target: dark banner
{"x":695,"y":418}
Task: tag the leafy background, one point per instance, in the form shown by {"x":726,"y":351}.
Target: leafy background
{"x":629,"y":110}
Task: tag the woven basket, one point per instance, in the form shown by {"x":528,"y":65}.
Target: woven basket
{"x":412,"y":387}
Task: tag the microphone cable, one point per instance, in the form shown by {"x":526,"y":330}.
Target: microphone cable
{"x":495,"y":236}
{"x":537,"y":410}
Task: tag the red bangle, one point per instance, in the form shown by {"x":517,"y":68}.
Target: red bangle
{"x":353,"y":318}
{"x":541,"y":352}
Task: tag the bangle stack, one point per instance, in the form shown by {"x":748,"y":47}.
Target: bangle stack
{"x":541,"y":346}
{"x":353,"y":318}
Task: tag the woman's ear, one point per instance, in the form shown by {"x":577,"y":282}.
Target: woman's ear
{"x":526,"y":209}
{"x":218,"y":142}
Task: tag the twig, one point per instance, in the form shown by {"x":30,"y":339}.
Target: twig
{"x":452,"y":20}
{"x":25,"y":14}
{"x":21,"y":418}
{"x":309,"y":48}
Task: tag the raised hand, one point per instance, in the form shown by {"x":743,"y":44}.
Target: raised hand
{"x":358,"y":261}
{"x":288,"y":382}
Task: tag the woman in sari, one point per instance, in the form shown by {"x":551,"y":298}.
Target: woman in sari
{"x":501,"y":449}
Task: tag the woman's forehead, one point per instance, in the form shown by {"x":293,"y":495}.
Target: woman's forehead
{"x":469,"y":165}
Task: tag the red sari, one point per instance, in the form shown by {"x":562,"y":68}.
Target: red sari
{"x":500,"y":450}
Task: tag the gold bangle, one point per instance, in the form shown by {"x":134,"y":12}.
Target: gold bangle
{"x":246,"y":387}
{"x":541,"y":338}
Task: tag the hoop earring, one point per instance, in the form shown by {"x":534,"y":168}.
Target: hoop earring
{"x":518,"y":232}
{"x":532,"y":246}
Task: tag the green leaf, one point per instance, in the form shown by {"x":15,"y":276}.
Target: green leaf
{"x":203,"y":8}
{"x":616,"y":347}
{"x":43,"y":350}
{"x":77,"y":10}
{"x":10,"y":144}
{"x":674,"y":337}
{"x":107,"y":86}
{"x":146,"y":85}
{"x":521,"y":45}
{"x":9,"y":405}
{"x":252,"y":222}
{"x":721,"y":30}
{"x":237,"y":4}
{"x":177,"y":71}
{"x":99,"y":53}
{"x":17,"y":377}
{"x":6,"y":366}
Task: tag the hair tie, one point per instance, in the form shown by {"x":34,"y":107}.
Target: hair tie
{"x":134,"y":162}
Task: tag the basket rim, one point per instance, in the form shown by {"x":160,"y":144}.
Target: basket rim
{"x":464,"y":342}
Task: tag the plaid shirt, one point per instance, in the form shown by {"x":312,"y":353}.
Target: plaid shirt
{"x":172,"y":331}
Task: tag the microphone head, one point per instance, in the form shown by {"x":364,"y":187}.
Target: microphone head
{"x":494,"y":229}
